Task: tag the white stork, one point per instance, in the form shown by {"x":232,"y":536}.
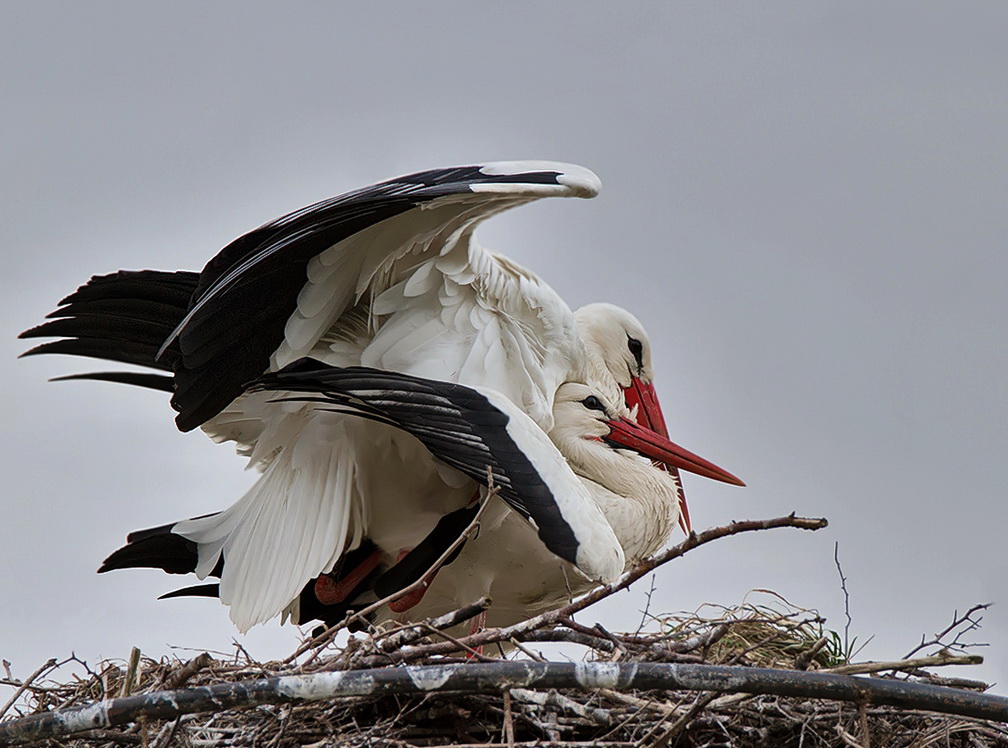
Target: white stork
{"x":389,"y":277}
{"x":618,"y":348}
{"x":626,"y":513}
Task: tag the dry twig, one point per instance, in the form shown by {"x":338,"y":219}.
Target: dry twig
{"x":324,"y":638}
{"x":642,"y":688}
{"x":49,"y":665}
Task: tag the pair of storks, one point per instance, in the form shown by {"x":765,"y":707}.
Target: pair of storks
{"x":380,"y":368}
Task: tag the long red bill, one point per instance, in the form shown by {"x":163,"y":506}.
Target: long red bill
{"x":649,"y":412}
{"x":649,"y":415}
{"x":625,"y":433}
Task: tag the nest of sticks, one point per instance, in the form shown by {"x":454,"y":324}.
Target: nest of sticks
{"x":761,"y":673}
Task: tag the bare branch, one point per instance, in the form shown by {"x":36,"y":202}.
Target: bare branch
{"x":320,"y":641}
{"x":646,"y":613}
{"x":495,"y":677}
{"x":190,"y":669}
{"x":961,"y":625}
{"x":906,"y":664}
{"x":412,"y":632}
{"x":131,"y":672}
{"x":572,"y":637}
{"x":846,"y":601}
{"x":49,"y":665}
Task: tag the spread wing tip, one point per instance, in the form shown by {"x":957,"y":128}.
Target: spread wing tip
{"x":568,"y":180}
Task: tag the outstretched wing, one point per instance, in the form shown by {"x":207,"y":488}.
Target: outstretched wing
{"x":270,"y":296}
{"x":473,"y":431}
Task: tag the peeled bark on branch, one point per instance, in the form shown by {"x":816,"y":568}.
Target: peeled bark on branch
{"x":499,"y":676}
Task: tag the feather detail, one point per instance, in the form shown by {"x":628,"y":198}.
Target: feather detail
{"x":289,"y":527}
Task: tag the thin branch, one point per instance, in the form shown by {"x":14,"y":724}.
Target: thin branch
{"x":49,"y":665}
{"x":694,"y":642}
{"x":495,"y":677}
{"x":571,"y":637}
{"x":187,"y":671}
{"x":552,"y":698}
{"x":684,"y":719}
{"x":320,"y":641}
{"x":804,"y":659}
{"x":470,"y":652}
{"x":527,"y":652}
{"x":966,"y":622}
{"x":646,"y":613}
{"x":412,"y":632}
{"x":508,"y":720}
{"x":167,"y":734}
{"x":518,"y":630}
{"x":846,"y":601}
{"x":906,"y":664}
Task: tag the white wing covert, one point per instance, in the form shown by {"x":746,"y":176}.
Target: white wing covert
{"x":402,"y":248}
{"x":474,"y":430}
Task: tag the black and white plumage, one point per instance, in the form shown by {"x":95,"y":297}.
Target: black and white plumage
{"x":486,"y":437}
{"x":362,"y":278}
{"x":268,"y":297}
{"x":390,"y":277}
{"x":479,"y":433}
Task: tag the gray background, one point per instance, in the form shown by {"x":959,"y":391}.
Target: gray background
{"x":803,"y":202}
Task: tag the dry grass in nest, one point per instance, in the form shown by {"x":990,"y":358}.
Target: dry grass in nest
{"x":763,"y":632}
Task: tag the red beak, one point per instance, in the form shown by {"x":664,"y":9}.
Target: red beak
{"x":650,"y":416}
{"x":649,"y":413}
{"x":625,"y":433}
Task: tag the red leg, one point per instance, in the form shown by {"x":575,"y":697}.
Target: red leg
{"x":407,"y":601}
{"x":330,"y":591}
{"x":476,"y":625}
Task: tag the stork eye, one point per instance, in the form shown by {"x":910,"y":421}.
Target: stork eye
{"x":593,"y":403}
{"x":637,"y":349}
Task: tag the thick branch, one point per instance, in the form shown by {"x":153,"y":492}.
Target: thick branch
{"x":495,"y":677}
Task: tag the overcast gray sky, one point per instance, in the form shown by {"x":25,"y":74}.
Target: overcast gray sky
{"x":805,"y":203}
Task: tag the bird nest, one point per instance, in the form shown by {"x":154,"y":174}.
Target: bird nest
{"x":764,"y":672}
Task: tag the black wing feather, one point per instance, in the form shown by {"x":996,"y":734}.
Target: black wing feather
{"x":216,"y":330}
{"x":459,"y":426}
{"x":161,"y":382}
{"x":158,"y":548}
{"x":125,"y":316}
{"x":250,"y":289}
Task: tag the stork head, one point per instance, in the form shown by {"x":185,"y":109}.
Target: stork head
{"x":618,"y":347}
{"x":595,"y":439}
{"x":617,"y":339}
{"x":619,"y":350}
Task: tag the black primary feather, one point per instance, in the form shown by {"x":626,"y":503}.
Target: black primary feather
{"x":249,"y":290}
{"x":459,"y":426}
{"x":125,"y":317}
